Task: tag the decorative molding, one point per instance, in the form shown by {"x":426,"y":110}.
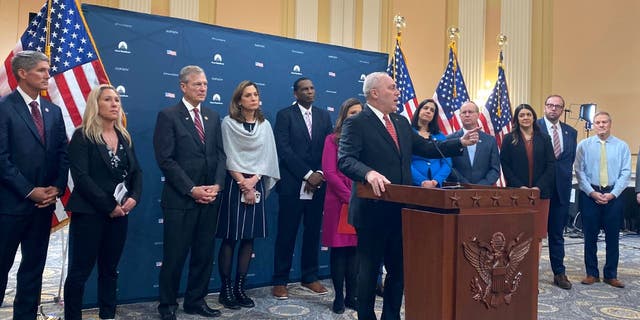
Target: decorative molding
{"x":471,"y":17}
{"x":515,"y":23}
{"x":143,"y":6}
{"x":185,"y":9}
{"x":307,"y":20}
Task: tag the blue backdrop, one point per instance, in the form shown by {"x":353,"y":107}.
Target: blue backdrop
{"x":143,"y":55}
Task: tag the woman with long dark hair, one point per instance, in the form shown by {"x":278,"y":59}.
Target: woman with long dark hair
{"x":342,"y":244}
{"x":428,"y":173}
{"x":528,"y":160}
{"x":252,"y":165}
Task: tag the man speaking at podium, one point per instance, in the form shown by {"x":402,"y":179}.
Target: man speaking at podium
{"x":376,"y":147}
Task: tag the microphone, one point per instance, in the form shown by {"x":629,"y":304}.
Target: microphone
{"x":448,"y":161}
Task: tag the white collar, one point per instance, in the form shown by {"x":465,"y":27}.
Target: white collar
{"x":27,"y":99}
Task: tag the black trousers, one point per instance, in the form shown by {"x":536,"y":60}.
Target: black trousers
{"x":187,"y":231}
{"x":94,"y":237}
{"x":379,"y":243}
{"x":31,"y":232}
{"x":558,"y":213}
{"x":292,"y":211}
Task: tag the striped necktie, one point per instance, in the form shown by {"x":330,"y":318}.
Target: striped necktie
{"x":557,"y":149}
{"x":198,"y":124}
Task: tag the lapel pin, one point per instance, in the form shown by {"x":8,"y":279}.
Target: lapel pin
{"x":206,"y":118}
{"x":187,"y":118}
{"x":46,"y":109}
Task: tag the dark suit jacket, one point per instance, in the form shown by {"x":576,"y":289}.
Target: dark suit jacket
{"x":297,"y":153}
{"x":25,"y":162}
{"x":486,"y":162}
{"x":515,"y":164}
{"x":183,"y":159}
{"x":366,"y":145}
{"x":94,"y":179}
{"x":564,"y":163}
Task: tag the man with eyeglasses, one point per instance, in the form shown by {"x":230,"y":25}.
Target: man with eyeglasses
{"x":479,"y":163}
{"x":564,"y":140}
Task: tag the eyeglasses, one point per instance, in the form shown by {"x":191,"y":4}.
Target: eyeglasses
{"x":554,"y":106}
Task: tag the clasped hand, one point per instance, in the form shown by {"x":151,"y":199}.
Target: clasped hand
{"x":314,"y":182}
{"x":205,"y":194}
{"x":601,"y":198}
{"x":44,"y":196}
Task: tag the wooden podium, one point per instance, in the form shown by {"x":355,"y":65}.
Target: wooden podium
{"x":469,"y":253}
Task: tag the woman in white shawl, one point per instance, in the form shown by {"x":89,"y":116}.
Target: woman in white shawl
{"x":252,"y":165}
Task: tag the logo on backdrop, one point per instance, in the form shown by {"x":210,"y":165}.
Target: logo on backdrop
{"x":362,"y":76}
{"x":217,"y":59}
{"x":123,"y":47}
{"x":172,"y":53}
{"x":296,"y":70}
{"x":332,"y":74}
{"x":122,"y":91}
{"x":169,"y":95}
{"x":215,"y":99}
{"x":259,"y":64}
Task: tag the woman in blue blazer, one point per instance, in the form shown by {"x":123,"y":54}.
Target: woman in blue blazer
{"x":107,"y":186}
{"x":428,"y":173}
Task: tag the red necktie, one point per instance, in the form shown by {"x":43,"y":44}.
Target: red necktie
{"x":198,"y":123}
{"x":391,"y":129}
{"x":37,"y":119}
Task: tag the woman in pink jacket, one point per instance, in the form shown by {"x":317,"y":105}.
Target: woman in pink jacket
{"x":342,"y":242}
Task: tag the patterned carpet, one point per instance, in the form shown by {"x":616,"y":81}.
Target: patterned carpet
{"x":598,"y":301}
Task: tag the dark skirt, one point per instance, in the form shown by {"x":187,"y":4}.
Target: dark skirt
{"x":237,"y":220}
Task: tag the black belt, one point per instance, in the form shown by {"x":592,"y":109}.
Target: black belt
{"x":600,"y":189}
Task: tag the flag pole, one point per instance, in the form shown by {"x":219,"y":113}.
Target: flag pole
{"x":454,"y":33}
{"x":47,"y":47}
{"x":502,"y":40}
{"x":400,"y":23}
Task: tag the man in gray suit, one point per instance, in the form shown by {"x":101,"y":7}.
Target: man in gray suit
{"x":479,"y":163}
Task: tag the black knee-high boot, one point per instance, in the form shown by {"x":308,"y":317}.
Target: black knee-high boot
{"x":351,"y":278}
{"x":226,"y":297}
{"x":238,"y":291}
{"x":338,"y":269}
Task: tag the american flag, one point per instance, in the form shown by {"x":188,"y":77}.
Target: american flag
{"x":75,"y":66}
{"x":450,"y":94}
{"x":397,"y":69}
{"x":498,"y":107}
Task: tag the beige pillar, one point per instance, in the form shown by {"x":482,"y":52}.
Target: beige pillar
{"x":516,"y":25}
{"x":342,"y":22}
{"x":143,"y":6}
{"x":307,"y":20}
{"x":185,"y":9}
{"x":471,"y":44}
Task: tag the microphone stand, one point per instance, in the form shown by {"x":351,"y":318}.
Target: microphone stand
{"x":448,"y":161}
